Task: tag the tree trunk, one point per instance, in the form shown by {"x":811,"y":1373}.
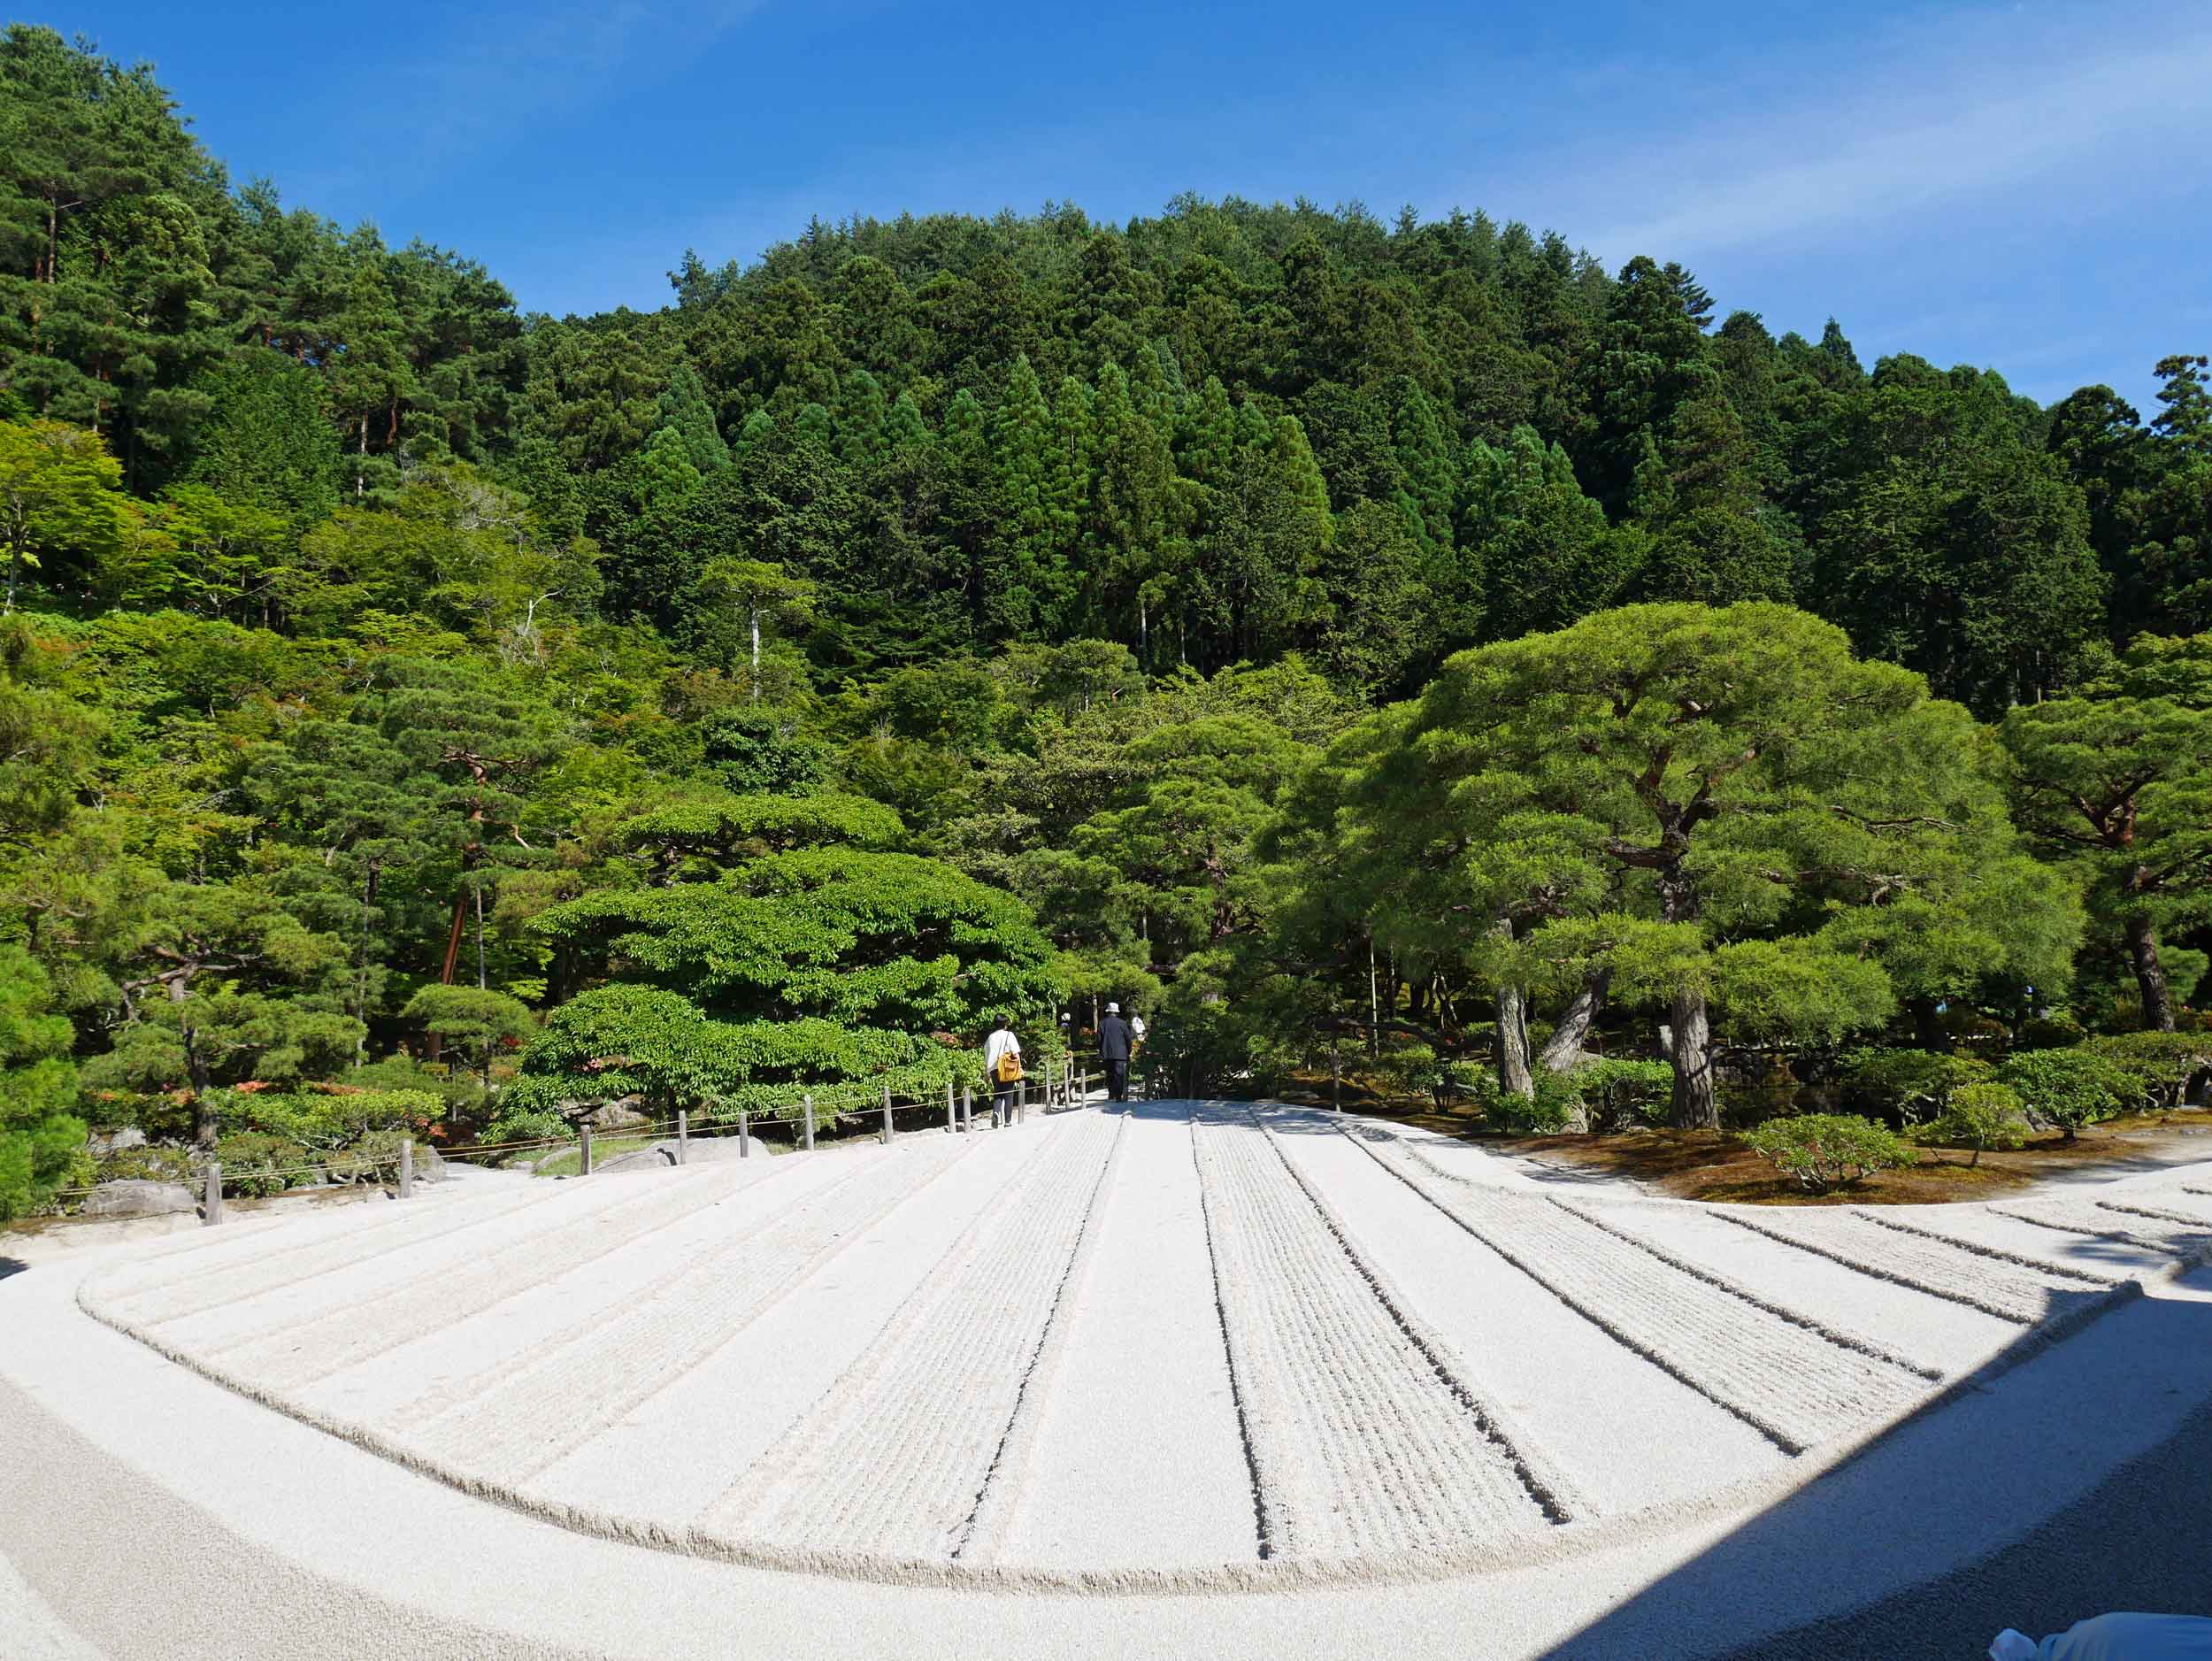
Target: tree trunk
{"x":204,"y":1126}
{"x":2150,"y":975}
{"x":756,"y":624}
{"x":360,"y":468}
{"x":1514,"y":1078}
{"x":1562,"y":1050}
{"x":1696,"y":1107}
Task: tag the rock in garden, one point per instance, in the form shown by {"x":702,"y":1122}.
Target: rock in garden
{"x":137,"y":1196}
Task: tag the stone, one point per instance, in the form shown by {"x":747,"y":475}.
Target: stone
{"x":104,"y":1143}
{"x":136,"y":1197}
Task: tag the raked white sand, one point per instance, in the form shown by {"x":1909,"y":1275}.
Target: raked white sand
{"x":1184,"y":1350}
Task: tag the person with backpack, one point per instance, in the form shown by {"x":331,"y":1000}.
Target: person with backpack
{"x":1114,"y":1048}
{"x":1002,"y":1067}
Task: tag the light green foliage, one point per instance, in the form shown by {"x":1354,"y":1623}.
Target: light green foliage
{"x":1980,"y":1117}
{"x":41,"y":1140}
{"x":625,"y":1042}
{"x":1822,"y":1152}
{"x":2068,"y":1090}
{"x":838,"y":933}
{"x":60,"y":514}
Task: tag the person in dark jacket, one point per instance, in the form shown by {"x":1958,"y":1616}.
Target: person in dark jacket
{"x":1113,"y":1050}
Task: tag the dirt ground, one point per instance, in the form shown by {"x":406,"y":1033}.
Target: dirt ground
{"x":1716,"y":1164}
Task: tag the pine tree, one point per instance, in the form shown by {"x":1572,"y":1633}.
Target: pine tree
{"x":861,"y":413}
{"x":685,"y":409}
{"x":1430,"y":487}
{"x":903,"y":427}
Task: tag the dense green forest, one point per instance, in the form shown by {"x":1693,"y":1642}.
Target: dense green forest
{"x":1406,"y":640}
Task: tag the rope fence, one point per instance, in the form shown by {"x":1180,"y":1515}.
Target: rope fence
{"x":1055,"y":1090}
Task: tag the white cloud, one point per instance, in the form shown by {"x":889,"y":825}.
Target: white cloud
{"x":1959,"y":118}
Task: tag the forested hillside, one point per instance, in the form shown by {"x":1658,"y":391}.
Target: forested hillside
{"x":421,"y":711}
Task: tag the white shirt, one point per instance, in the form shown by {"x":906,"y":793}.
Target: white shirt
{"x":1136,"y":1027}
{"x":996,"y":1045}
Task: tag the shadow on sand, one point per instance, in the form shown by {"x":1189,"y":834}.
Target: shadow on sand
{"x":1936,"y":1505}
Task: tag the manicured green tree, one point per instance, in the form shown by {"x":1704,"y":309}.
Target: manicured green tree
{"x":861,"y":938}
{"x":1980,"y":1117}
{"x":1723,"y":806}
{"x":212,"y":978}
{"x":691,"y":834}
{"x":41,"y":1140}
{"x":2069,"y":1088}
{"x":643,"y":1044}
{"x":2116,"y":785}
{"x":477,"y":1022}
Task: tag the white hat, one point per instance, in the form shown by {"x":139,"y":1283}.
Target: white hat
{"x":1113,"y":1009}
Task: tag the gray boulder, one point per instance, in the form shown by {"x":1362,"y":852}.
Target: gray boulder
{"x":103,"y":1144}
{"x":136,"y":1197}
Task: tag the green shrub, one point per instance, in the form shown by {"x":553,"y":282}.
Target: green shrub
{"x":1822,"y":1152}
{"x":528,"y":1124}
{"x":463,"y":1095}
{"x":1914,"y":1084}
{"x":332,"y":1115}
{"x":2161,"y":1064}
{"x":1979,"y":1116}
{"x":257,"y":1162}
{"x":2051,"y":1031}
{"x":1553,"y":1108}
{"x":1411,"y":1069}
{"x":1618,"y":1092}
{"x":2069,"y":1088}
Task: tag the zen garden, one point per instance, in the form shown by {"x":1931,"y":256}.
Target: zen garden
{"x":1247,"y":931}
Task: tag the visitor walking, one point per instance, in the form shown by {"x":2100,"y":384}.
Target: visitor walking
{"x":1002,"y":1067}
{"x":1113,"y":1048}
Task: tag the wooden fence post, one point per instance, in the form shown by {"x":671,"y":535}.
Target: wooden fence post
{"x":683,"y":1135}
{"x":212,"y":1207}
{"x":584,"y":1166}
{"x":406,"y":1167}
{"x":952,"y":1110}
{"x":886,"y":1116}
{"x":967,"y":1107}
{"x":744,"y":1135}
{"x":809,"y":1111}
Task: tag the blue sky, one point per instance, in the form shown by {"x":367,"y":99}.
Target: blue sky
{"x":2021,"y":186}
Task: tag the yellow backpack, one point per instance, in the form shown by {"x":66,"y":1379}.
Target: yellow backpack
{"x":1010,"y":1067}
